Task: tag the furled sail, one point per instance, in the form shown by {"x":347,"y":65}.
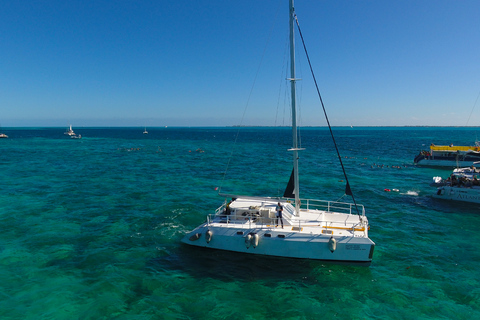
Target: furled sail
{"x":290,"y":189}
{"x":348,"y":191}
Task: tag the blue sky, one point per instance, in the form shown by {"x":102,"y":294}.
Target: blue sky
{"x":207,"y":63}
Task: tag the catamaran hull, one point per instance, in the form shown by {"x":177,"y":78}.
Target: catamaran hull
{"x":283,"y":243}
{"x":450,"y":163}
{"x":458,"y":194}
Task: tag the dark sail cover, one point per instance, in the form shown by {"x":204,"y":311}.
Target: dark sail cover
{"x":348,"y":191}
{"x":290,"y":189}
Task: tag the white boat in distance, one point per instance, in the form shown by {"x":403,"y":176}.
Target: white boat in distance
{"x":2,"y":135}
{"x":470,"y":173}
{"x":69,"y":131}
{"x":464,"y":193}
{"x":462,"y":185}
{"x":309,"y":229}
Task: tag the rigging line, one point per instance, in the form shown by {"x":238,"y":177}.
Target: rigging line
{"x":348,"y":190}
{"x":473,"y":108}
{"x":248,"y":101}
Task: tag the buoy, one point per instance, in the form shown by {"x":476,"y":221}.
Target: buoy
{"x":387,"y":190}
{"x":248,"y":240}
{"x":208,"y":236}
{"x":254,"y":240}
{"x":195,"y":236}
{"x":332,"y":244}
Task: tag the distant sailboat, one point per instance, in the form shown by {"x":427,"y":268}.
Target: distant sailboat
{"x":145,"y":132}
{"x":70,"y":131}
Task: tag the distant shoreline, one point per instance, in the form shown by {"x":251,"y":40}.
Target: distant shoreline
{"x":234,"y":126}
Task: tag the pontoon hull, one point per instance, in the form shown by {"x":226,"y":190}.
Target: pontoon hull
{"x":458,"y":194}
{"x":283,"y":243}
{"x":446,"y":163}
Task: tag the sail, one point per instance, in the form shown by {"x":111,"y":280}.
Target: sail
{"x":290,"y":189}
{"x":348,"y":191}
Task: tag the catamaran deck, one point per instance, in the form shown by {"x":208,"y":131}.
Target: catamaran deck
{"x":316,"y":217}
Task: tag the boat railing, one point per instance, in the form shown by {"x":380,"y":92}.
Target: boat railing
{"x":256,"y":218}
{"x":220,"y":210}
{"x":308,"y":204}
{"x":332,"y":206}
{"x":259,"y":222}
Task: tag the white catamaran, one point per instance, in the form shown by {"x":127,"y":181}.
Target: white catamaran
{"x":462,"y":193}
{"x":308,"y":229}
{"x":462,"y":185}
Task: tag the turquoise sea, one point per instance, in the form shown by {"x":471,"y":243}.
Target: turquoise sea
{"x":91,"y":227}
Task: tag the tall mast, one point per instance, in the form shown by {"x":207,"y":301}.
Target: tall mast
{"x":292,"y":79}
